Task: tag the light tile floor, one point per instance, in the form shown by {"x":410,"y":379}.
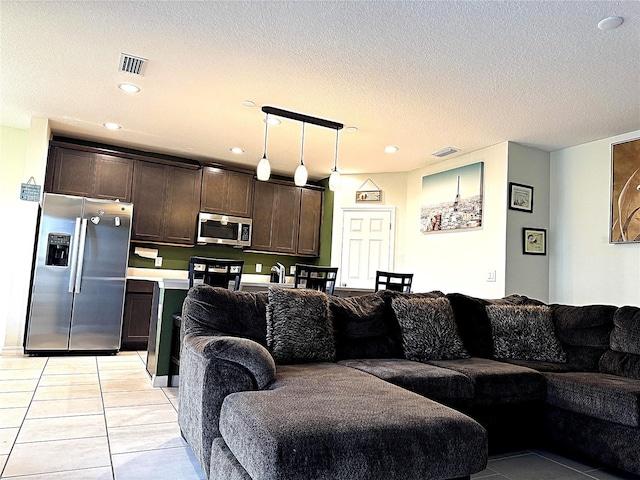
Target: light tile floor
{"x":99,"y":418}
{"x":89,"y":418}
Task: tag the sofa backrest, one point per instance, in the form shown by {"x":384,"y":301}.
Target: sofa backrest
{"x":623,"y":358}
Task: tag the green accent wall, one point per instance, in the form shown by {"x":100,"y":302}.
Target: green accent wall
{"x":326,"y":233}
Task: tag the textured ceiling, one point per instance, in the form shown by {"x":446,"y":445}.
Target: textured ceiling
{"x":419,"y":75}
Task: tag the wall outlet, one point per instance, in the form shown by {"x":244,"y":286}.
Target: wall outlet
{"x":158,"y":261}
{"x":292,"y":270}
{"x":491,"y":276}
{"x":258,"y":267}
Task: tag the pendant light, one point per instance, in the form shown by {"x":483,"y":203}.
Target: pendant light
{"x":300,"y":177}
{"x":335,"y":180}
{"x":264,"y":167}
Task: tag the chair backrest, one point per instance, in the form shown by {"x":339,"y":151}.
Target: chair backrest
{"x":216,"y":272}
{"x":400,"y":282}
{"x":316,"y":278}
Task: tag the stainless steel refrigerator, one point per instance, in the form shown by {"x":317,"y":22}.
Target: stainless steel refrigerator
{"x":78,"y":277}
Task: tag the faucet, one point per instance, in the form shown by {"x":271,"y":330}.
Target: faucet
{"x":281,"y":272}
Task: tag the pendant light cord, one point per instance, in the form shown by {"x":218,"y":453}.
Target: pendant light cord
{"x":335,"y":158}
{"x":266,"y":132}
{"x":302,"y":146}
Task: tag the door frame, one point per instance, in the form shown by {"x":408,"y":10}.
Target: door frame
{"x":392,"y":231}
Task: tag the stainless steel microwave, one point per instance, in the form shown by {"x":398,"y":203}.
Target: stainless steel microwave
{"x":224,"y":230}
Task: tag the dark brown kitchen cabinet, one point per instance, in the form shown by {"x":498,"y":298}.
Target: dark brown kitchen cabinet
{"x":166,"y":202}
{"x":77,"y":172}
{"x":136,"y":320}
{"x":286,"y":219}
{"x":226,"y":192}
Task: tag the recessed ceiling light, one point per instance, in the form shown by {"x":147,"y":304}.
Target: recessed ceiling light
{"x":128,"y":87}
{"x":272,"y":120}
{"x":236,"y":150}
{"x":248,"y":103}
{"x":391,"y":149}
{"x":351,"y":129}
{"x":112,"y":126}
{"x":610,"y":23}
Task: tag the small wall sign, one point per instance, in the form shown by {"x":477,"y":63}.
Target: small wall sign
{"x":370,"y":195}
{"x":30,"y":191}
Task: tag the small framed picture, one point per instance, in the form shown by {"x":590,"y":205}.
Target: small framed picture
{"x":520,"y":197}
{"x":534,"y":241}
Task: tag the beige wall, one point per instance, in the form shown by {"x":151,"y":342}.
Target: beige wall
{"x":23,"y":154}
{"x":584,"y":267}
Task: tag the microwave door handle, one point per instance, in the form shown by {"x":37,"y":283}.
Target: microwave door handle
{"x":74,"y":256}
{"x":83,"y":238}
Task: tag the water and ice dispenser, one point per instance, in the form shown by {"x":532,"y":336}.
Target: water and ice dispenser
{"x":58,"y":249}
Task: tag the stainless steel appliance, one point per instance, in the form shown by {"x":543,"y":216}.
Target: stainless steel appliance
{"x":224,"y":230}
{"x":78,"y":278}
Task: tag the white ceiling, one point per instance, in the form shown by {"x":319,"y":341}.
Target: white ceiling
{"x":419,"y":75}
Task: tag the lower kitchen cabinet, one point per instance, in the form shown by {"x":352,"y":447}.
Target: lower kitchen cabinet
{"x":136,"y":320}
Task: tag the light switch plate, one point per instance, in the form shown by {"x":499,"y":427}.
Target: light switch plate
{"x":158,"y":261}
{"x":258,"y":267}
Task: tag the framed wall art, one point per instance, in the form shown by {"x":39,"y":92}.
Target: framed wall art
{"x":452,"y":200}
{"x":625,"y":192}
{"x":520,"y":197}
{"x":534,"y":241}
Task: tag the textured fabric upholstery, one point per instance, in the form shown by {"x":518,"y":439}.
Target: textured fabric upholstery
{"x":440,"y":384}
{"x":584,"y":333}
{"x":623,"y":364}
{"x":217,"y":311}
{"x":607,"y":442}
{"x":496,"y":382}
{"x":224,"y":465}
{"x":607,"y":397}
{"x":337,"y":423}
{"x":625,"y":336}
{"x":361,"y":328}
{"x":299,"y":327}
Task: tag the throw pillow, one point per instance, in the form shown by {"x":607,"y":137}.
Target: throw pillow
{"x":524,"y":332}
{"x":428,"y":329}
{"x":625,"y":336}
{"x":299,"y":326}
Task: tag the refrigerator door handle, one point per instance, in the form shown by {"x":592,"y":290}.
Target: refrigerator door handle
{"x":74,"y":256}
{"x":83,"y":238}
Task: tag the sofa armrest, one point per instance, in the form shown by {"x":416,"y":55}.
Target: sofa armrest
{"x":212,"y":367}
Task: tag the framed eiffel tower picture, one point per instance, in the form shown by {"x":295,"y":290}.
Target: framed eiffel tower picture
{"x":452,"y":200}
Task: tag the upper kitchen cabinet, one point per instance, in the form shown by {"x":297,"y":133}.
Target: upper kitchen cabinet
{"x":287,"y":219}
{"x":166,"y":202}
{"x":226,"y":192}
{"x":89,"y":174}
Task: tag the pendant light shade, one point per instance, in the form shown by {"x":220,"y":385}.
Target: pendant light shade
{"x":301,"y":175}
{"x":263,"y":171}
{"x":335,"y":180}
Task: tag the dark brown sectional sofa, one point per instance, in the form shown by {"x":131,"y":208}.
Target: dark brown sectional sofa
{"x":296,"y":384}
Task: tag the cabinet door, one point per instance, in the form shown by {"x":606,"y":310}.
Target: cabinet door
{"x":74,"y":172}
{"x":286,"y":217}
{"x":310,"y":222}
{"x":149,"y":200}
{"x":239,"y":194}
{"x":263,"y":211}
{"x":183,"y":204}
{"x":137,"y":315}
{"x":214,"y":190}
{"x":114,"y":176}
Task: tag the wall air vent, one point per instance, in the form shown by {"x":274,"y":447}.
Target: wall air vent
{"x":131,"y":64}
{"x":445,"y":152}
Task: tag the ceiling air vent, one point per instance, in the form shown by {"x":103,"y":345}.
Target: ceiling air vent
{"x":131,"y":64}
{"x":445,"y":151}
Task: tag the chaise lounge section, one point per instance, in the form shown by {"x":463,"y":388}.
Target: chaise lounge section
{"x":297,"y":384}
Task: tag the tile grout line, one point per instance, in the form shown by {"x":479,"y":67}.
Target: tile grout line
{"x":565,"y":466}
{"x":104,"y":418}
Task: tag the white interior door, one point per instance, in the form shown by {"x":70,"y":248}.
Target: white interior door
{"x":367,"y":245}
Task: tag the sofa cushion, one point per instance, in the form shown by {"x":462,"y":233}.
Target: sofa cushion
{"x":440,"y":384}
{"x":625,"y":336}
{"x":327,"y":421}
{"x":622,"y":364}
{"x":362,"y":328}
{"x":428,"y":329}
{"x":607,"y":397}
{"x":498,"y":383}
{"x":584,"y":333}
{"x":299,"y":326}
{"x":217,"y":311}
{"x":524,"y":333}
